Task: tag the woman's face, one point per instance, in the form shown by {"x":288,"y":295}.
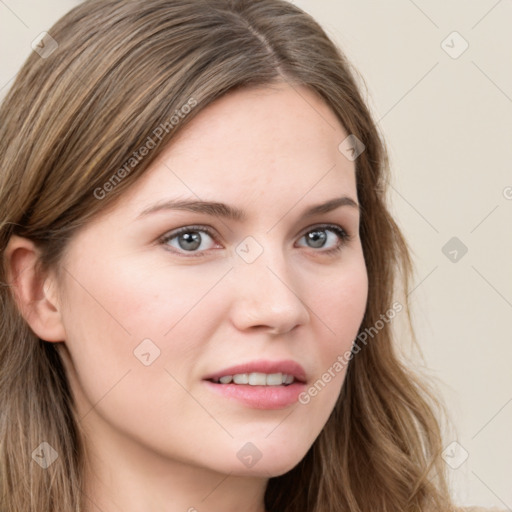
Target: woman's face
{"x":154,"y":317}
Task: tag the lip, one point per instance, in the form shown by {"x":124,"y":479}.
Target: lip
{"x":288,"y":366}
{"x":261,"y":397}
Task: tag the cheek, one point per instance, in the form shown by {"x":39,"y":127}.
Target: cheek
{"x":115,"y":314}
{"x":139,"y":300}
{"x":341,"y":304}
{"x":113,"y":318}
{"x":154,"y":302}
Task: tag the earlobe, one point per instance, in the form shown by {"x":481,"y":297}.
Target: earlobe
{"x":34,"y":292}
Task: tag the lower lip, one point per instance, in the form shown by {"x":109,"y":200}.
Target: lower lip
{"x":260,"y":397}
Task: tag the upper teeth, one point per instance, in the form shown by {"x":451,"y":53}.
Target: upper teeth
{"x":257,"y":379}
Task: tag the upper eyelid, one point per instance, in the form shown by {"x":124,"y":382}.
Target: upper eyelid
{"x":192,"y":227}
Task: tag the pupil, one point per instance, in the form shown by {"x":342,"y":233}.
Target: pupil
{"x":190,"y":240}
{"x":317,"y":238}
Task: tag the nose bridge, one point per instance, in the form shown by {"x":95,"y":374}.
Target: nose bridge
{"x":262,"y":260}
{"x":267,"y":288}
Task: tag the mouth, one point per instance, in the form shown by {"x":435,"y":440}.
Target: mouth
{"x":260,"y":384}
{"x":256,"y":379}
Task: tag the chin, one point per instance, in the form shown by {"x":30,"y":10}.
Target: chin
{"x":269,"y":469}
{"x":269,"y":460}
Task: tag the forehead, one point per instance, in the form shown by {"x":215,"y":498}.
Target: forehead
{"x":253,"y":146}
{"x":262,"y":122}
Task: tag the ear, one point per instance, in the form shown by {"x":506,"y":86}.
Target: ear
{"x":35,"y":293}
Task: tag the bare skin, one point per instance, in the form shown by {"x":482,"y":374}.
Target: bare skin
{"x":158,"y":437}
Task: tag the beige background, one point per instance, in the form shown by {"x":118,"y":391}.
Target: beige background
{"x":447,"y":120}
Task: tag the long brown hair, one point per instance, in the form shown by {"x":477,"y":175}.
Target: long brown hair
{"x":113,"y":74}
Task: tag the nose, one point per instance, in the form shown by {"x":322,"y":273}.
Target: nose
{"x":266,"y":296}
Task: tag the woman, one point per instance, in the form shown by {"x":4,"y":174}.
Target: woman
{"x":201,"y":273}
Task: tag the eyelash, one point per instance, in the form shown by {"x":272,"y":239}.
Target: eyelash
{"x":338,"y":230}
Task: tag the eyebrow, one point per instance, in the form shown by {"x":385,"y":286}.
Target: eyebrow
{"x":223,"y":210}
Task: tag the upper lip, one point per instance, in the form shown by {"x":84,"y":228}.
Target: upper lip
{"x":288,"y":367}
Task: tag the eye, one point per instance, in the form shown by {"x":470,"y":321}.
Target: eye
{"x":196,"y":240}
{"x":331,"y":236}
{"x":190,"y":239}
